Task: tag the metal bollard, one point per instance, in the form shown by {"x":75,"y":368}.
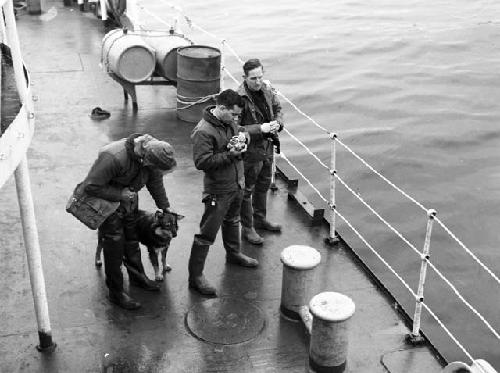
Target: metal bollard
{"x":478,"y":366}
{"x":329,"y":336}
{"x":298,"y":263}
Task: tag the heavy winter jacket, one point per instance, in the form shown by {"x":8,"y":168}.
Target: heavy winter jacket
{"x":223,"y":173}
{"x":118,"y":167}
{"x":260,"y":147}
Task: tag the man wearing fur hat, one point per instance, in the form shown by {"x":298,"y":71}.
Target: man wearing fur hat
{"x":123,"y":168}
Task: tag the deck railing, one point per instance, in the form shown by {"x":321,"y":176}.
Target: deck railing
{"x":330,"y":201}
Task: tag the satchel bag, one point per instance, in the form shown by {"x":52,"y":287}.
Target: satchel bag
{"x":90,"y":210}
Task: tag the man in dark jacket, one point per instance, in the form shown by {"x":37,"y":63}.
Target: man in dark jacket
{"x":261,"y":105}
{"x":221,"y":161}
{"x":123,"y":168}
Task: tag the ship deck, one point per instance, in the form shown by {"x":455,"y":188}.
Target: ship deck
{"x":62,"y":52}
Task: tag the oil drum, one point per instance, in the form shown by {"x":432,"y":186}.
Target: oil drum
{"x":127,"y":55}
{"x":165,"y":46}
{"x":198,"y":79}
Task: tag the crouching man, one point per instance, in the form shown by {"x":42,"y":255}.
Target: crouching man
{"x":217,"y":152}
{"x":123,"y":168}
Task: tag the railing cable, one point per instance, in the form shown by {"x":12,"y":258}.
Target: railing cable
{"x":490,"y":272}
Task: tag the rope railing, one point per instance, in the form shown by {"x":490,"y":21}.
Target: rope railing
{"x":334,"y":176}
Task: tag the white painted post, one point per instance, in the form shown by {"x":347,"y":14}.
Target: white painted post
{"x":30,"y":234}
{"x":298,"y":264}
{"x":132,"y":13}
{"x":3,"y":36}
{"x":273,"y":172}
{"x":28,"y":220}
{"x":222,"y":63}
{"x":329,"y":335}
{"x":104,"y":11}
{"x":333,"y":237}
{"x":415,"y":337}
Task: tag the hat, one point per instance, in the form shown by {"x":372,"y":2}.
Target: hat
{"x":160,"y":154}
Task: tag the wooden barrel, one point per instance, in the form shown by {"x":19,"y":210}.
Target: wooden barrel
{"x":127,"y":56}
{"x":198,"y":78}
{"x":165,"y":46}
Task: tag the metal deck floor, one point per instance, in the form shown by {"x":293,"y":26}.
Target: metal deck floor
{"x":62,"y":54}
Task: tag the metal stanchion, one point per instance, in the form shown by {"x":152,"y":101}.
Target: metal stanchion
{"x":329,"y":335}
{"x":104,"y":11}
{"x":30,"y":234}
{"x":333,"y":237}
{"x":414,"y":337}
{"x":273,"y":186}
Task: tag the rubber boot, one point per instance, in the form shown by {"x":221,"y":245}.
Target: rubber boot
{"x":196,"y":265}
{"x":250,"y":235}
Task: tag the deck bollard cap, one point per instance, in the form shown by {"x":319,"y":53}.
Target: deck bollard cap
{"x":331,"y":306}
{"x":300,"y":257}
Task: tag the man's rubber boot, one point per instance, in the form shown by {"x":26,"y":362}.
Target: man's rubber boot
{"x":250,"y":235}
{"x":141,"y":280}
{"x":196,"y":265}
{"x":267,"y":225}
{"x":133,"y":263}
{"x":123,"y":300}
{"x":241,"y":260}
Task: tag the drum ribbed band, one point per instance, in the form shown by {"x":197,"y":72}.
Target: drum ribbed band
{"x":289,"y":313}
{"x":326,"y":369}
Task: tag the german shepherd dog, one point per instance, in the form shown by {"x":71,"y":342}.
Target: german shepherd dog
{"x":155,"y":231}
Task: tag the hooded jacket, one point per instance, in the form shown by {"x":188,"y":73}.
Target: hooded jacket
{"x":260,"y":148}
{"x":118,"y":167}
{"x":223,"y":173}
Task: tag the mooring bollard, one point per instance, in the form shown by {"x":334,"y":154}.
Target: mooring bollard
{"x":329,"y":336}
{"x":298,"y":263}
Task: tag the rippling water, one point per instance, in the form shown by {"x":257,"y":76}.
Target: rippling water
{"x":413,"y":87}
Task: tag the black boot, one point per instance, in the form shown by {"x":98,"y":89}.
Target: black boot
{"x":197,"y":281}
{"x":123,"y":300}
{"x":135,"y":269}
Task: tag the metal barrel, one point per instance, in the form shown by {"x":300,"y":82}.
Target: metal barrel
{"x":166,"y":47}
{"x":198,"y":79}
{"x":127,"y":56}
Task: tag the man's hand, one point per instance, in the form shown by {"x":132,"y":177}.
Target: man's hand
{"x":233,"y":153}
{"x":127,"y":195}
{"x":270,"y":127}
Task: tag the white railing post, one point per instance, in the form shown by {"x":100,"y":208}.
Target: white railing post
{"x":333,"y":237}
{"x":273,"y":172}
{"x":104,"y":11}
{"x":133,"y":13}
{"x":415,"y":337}
{"x":24,"y":196}
{"x":222,"y":63}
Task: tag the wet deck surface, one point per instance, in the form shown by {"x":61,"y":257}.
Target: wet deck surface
{"x":63,"y":56}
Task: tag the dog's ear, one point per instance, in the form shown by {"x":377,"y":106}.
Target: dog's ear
{"x":179,"y":216}
{"x":158,"y":214}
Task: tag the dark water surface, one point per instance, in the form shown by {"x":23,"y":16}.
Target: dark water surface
{"x":413,"y":87}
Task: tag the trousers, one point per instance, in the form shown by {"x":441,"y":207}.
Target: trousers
{"x":257,"y":182}
{"x":118,"y":236}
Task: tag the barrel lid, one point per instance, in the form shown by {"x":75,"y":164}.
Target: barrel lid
{"x":198,"y":51}
{"x":300,"y":257}
{"x":331,"y":306}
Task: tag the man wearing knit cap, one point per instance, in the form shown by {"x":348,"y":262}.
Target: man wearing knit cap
{"x":123,"y":168}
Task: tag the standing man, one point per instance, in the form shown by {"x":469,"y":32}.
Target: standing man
{"x":219,"y":155}
{"x":261,"y":105}
{"x":122,"y":169}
